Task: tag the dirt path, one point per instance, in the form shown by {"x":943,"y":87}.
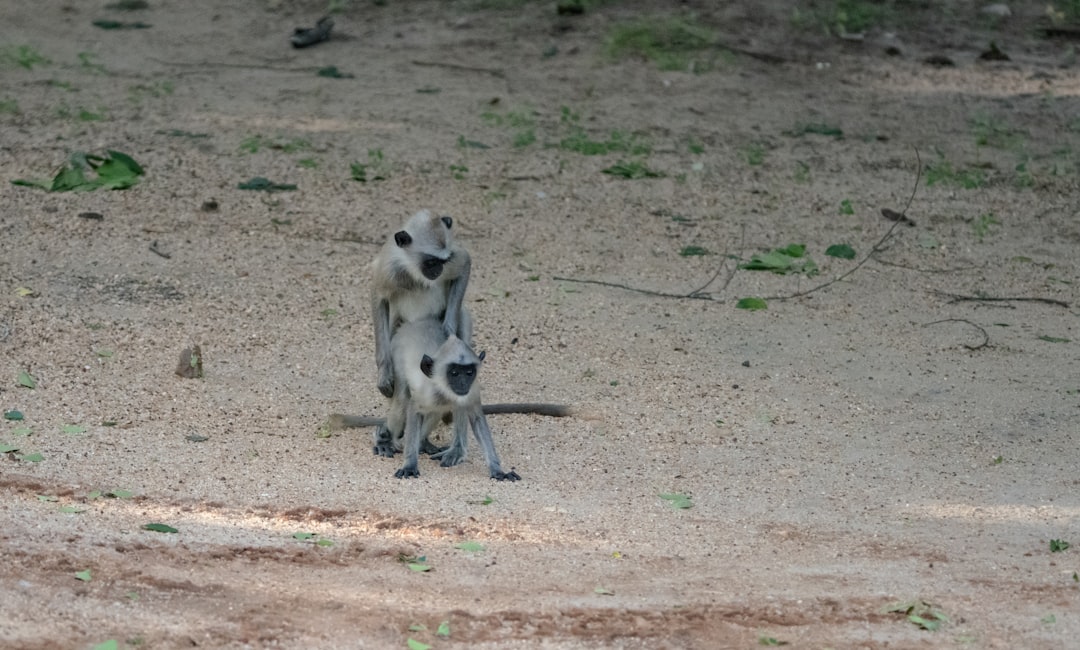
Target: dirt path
{"x":868,"y":443}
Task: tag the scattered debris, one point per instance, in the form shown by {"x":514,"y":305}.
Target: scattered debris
{"x":893,"y":215}
{"x":308,"y":36}
{"x":994,"y":54}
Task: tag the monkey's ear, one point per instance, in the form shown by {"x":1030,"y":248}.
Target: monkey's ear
{"x":482,"y":355}
{"x":448,"y":221}
{"x":402,"y":238}
{"x":427,"y":365}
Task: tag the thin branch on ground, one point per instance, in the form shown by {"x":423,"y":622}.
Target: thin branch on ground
{"x":956,"y":269}
{"x":647,"y":292}
{"x":457,"y":66}
{"x":874,"y":249}
{"x":698,"y":295}
{"x":956,"y":297}
{"x":986,"y":337}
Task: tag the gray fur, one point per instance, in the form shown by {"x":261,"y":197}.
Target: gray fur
{"x":420,"y":401}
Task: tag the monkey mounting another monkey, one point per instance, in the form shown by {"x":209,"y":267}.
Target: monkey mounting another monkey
{"x":420,"y":273}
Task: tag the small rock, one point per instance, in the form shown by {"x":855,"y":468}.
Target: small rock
{"x":191,"y":363}
{"x":999,"y":9}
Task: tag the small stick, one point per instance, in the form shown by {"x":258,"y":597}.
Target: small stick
{"x":457,"y":66}
{"x":961,"y":298}
{"x":986,"y":337}
{"x":154,"y":249}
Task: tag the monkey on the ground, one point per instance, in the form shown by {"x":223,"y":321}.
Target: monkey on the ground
{"x":436,"y":376}
{"x":420,"y":273}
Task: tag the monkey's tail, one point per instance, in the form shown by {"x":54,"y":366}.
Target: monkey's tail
{"x":341,"y":421}
{"x":550,"y":410}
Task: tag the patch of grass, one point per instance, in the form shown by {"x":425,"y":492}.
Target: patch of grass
{"x":632,"y":170}
{"x":23,"y":56}
{"x":693,"y":251}
{"x":90,"y":116}
{"x":990,"y":131}
{"x":943,"y":172}
{"x":754,"y":154}
{"x":156,"y":89}
{"x":376,"y":168}
{"x":458,"y":172}
{"x":9,"y":106}
{"x":802,"y":172}
{"x":844,"y":16}
{"x":1059,"y":545}
{"x":983,"y":224}
{"x":88,"y":64}
{"x":846,"y":207}
{"x":694,"y":146}
{"x":672,"y":43}
{"x":524,"y":138}
{"x":617,"y":142}
{"x":307,"y":163}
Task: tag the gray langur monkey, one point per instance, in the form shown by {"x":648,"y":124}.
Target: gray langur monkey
{"x":420,"y":273}
{"x":436,"y":376}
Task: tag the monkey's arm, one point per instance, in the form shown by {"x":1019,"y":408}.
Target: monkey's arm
{"x":452,"y":320}
{"x":380,"y":315}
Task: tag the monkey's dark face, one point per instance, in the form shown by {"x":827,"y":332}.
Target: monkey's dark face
{"x":460,"y":377}
{"x":431,"y":266}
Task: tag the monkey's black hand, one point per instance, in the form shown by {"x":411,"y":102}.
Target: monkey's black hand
{"x":386,"y":380}
{"x":506,"y":476}
{"x":384,"y":449}
{"x":407,"y":472}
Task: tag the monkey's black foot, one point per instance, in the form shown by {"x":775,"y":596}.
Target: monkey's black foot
{"x":450,"y":457}
{"x":384,"y":449}
{"x":431,"y":449}
{"x":407,"y":472}
{"x":506,"y":476}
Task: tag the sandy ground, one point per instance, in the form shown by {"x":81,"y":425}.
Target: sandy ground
{"x":856,"y":446}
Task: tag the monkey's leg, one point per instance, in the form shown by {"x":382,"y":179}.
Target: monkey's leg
{"x":455,"y":453}
{"x":483,"y":436}
{"x":380,"y":315}
{"x":417,"y":426}
{"x":388,"y":434}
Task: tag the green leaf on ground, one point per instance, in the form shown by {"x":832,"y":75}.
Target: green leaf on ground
{"x":260,"y":184}
{"x":303,"y":536}
{"x":114,"y":171}
{"x":632,"y":170}
{"x":35,"y":457}
{"x":790,"y":259}
{"x":443,"y":629}
{"x":119,"y":494}
{"x":1058,"y":545}
{"x":83,"y":575}
{"x":693,"y":251}
{"x":770,"y":641}
{"x":680,"y":501}
{"x":418,"y":567}
{"x":815,"y":129}
{"x":26,"y":379}
{"x":471,"y":547}
{"x":846,"y":207}
{"x":751,"y":304}
{"x":1053,"y":339}
{"x":322,"y":541}
{"x":603,"y":591}
{"x":74,"y":510}
{"x":160,"y":528}
{"x":416,"y":645}
{"x":73,"y":428}
{"x":843,"y":251}
{"x":111,"y":644}
{"x":332,"y":72}
{"x":13,"y":415}
{"x":7,"y":449}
